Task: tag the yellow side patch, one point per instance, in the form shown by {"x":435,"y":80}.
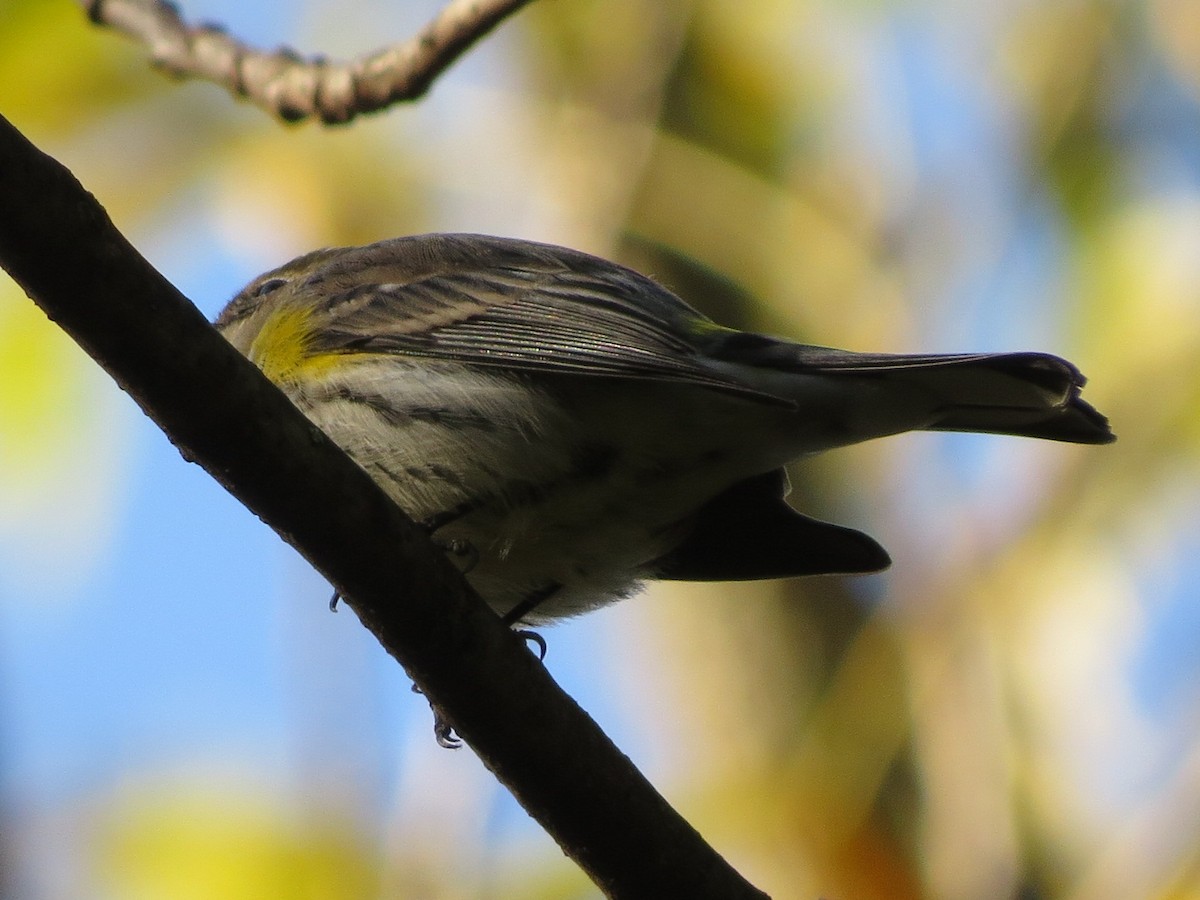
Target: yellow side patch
{"x":703,"y":327}
{"x":281,"y":348}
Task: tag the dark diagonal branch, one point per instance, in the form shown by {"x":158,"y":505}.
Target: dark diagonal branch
{"x":290,"y":86}
{"x":59,"y":245}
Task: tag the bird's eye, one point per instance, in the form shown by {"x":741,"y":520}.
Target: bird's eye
{"x":271,"y":284}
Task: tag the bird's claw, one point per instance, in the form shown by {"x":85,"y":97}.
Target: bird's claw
{"x":532,"y":637}
{"x":443,"y":731}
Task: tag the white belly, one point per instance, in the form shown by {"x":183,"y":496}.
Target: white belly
{"x":577,"y":495}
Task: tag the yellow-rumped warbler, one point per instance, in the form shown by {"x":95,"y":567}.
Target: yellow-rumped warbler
{"x":581,"y":428}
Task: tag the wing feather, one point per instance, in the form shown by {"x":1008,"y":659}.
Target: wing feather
{"x":536,"y":309}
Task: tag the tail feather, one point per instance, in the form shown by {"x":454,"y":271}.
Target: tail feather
{"x":873,"y":394}
{"x":1024,"y":394}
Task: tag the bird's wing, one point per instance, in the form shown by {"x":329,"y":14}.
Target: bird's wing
{"x":512,"y":304}
{"x":749,"y":532}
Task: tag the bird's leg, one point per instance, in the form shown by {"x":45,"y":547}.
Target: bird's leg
{"x":453,"y":514}
{"x":443,"y":732}
{"x":529,"y":603}
{"x":523,"y":608}
{"x":462,"y":552}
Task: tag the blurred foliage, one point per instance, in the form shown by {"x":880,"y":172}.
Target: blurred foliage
{"x":152,"y":843}
{"x":969,"y":726}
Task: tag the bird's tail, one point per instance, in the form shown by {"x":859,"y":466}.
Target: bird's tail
{"x":872,"y":394}
{"x":1027,"y":394}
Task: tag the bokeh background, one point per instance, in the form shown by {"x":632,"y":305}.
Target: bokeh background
{"x":1012,"y":710}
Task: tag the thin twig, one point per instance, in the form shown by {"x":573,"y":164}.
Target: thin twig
{"x":290,"y":86}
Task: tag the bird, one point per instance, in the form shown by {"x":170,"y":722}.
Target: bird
{"x":573,"y":429}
